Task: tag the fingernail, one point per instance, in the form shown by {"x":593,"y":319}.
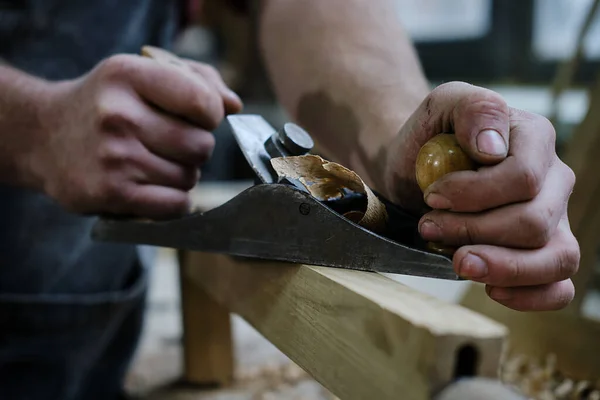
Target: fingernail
{"x":437,"y":201}
{"x":491,"y":142}
{"x":473,"y":266}
{"x":499,"y":293}
{"x":429,"y":230}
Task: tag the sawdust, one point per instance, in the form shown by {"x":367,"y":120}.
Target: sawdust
{"x":328,"y":181}
{"x":276,"y":379}
{"x":544,"y":381}
{"x":274,"y":373}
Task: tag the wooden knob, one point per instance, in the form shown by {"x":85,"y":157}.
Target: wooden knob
{"x":439,"y":156}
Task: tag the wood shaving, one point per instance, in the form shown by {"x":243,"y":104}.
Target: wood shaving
{"x":327,"y":181}
{"x":544,"y":381}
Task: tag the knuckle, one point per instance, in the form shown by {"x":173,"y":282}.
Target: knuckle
{"x":118,"y":67}
{"x":442,"y":91}
{"x":545,"y":127}
{"x":567,"y":259}
{"x":210,"y":105}
{"x":449,"y":86}
{"x":466,"y":232}
{"x":204,"y":147}
{"x":113,"y":155}
{"x":564,"y":296}
{"x":535,"y":225}
{"x":210,"y":71}
{"x":485,"y":103}
{"x":198,"y":144}
{"x":111,"y":119}
{"x":570,"y":178}
{"x":531,"y":181}
{"x":514,"y":270}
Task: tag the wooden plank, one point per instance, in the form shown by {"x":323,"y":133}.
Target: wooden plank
{"x":584,"y":213}
{"x":207,"y":339}
{"x":573,"y":339}
{"x":361,"y":335}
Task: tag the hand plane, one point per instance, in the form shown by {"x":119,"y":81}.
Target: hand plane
{"x":280,"y":220}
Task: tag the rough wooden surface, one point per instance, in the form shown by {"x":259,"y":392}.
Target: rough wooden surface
{"x":361,"y":335}
{"x":207,"y":341}
{"x":574,"y":340}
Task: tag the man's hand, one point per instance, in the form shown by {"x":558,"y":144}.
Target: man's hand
{"x":128,"y":137}
{"x":510,"y":216}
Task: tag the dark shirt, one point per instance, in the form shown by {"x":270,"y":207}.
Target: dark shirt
{"x":40,"y":243}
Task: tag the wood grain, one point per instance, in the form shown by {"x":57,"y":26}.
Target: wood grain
{"x":361,"y":335}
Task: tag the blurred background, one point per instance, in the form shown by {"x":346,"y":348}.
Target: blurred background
{"x":530,"y":51}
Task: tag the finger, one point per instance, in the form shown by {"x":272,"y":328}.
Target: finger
{"x":132,"y":161}
{"x":174,"y":139}
{"x":157,"y":202}
{"x":232,"y":102}
{"x":155,"y":170}
{"x":173,"y":90}
{"x":506,"y":267}
{"x":551,"y":297}
{"x":517,"y":178}
{"x":479,"y":117}
{"x":521,"y":225}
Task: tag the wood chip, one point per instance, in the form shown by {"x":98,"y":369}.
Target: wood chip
{"x":327,"y":181}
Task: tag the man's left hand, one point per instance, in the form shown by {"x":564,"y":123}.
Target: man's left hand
{"x":509,"y":217}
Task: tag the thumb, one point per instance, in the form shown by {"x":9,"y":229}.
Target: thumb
{"x":480,"y":118}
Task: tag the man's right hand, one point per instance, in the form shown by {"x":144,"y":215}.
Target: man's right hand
{"x":129,"y":137}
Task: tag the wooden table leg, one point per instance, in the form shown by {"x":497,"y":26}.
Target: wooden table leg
{"x":207,"y":339}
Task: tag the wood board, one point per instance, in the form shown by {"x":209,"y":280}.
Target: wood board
{"x":361,"y":335}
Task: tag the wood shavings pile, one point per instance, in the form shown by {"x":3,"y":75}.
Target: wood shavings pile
{"x":543,"y":380}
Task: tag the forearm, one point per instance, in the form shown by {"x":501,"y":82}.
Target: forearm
{"x":346,"y":71}
{"x":22,"y":98}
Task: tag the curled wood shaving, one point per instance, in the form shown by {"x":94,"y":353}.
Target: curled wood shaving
{"x":328,"y":181}
{"x":544,"y":381}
